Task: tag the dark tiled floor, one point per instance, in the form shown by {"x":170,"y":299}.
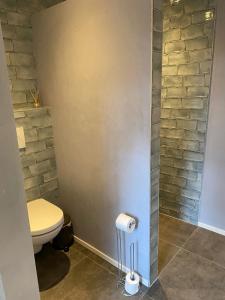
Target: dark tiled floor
{"x":166,"y":253}
{"x":173,"y":234}
{"x":174,"y":231}
{"x":190,"y":277}
{"x":207,"y":244}
{"x":89,"y":278}
{"x":191,"y":264}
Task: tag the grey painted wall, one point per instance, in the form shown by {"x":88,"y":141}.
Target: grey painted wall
{"x":93,"y":61}
{"x":213,"y":192}
{"x":17,"y":266}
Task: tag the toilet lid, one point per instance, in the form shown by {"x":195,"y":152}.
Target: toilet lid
{"x":43,"y":216}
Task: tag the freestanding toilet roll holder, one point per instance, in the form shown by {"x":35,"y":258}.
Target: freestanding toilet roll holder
{"x":130,"y":282}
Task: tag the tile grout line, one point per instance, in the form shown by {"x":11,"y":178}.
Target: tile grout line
{"x":71,"y":267}
{"x":172,"y":259}
{"x":143,"y":293}
{"x":177,"y":219}
{"x":74,"y":265}
{"x":114,"y":275}
{"x":178,"y":251}
{"x":188,"y":239}
{"x":205,"y":258}
{"x":102,"y":267}
{"x":212,"y":261}
{"x":172,"y":244}
{"x":91,"y":259}
{"x":85,"y":257}
{"x":182,"y":248}
{"x":142,"y":296}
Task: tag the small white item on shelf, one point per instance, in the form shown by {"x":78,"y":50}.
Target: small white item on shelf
{"x":132,"y":283}
{"x":125,"y":223}
{"x":20,"y":137}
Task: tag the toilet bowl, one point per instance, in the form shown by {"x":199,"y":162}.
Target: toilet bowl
{"x":46,"y":221}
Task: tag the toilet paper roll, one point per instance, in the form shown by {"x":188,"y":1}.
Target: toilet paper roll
{"x":125,"y":223}
{"x":132,"y":285}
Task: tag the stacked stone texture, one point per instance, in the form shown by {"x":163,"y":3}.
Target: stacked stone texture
{"x":186,"y":74}
{"x":38,"y":158}
{"x":15,"y":16}
{"x":155,"y":134}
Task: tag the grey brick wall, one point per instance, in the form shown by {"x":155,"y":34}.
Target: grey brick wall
{"x":155,"y":134}
{"x":38,"y":158}
{"x":15,"y":16}
{"x":186,"y":73}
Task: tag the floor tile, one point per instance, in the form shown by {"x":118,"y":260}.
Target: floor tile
{"x":174,"y":231}
{"x":109,"y":267}
{"x":147,"y":297}
{"x":86,"y":275}
{"x":95,"y":258}
{"x":157,"y":292}
{"x":75,"y":255}
{"x":190,"y":277}
{"x":166,"y":253}
{"x":87,"y":281}
{"x":106,"y":291}
{"x":207,"y":244}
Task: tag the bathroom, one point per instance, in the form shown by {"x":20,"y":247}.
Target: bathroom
{"x":96,"y":140}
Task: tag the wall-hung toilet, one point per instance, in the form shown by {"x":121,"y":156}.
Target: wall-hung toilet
{"x":46,"y":221}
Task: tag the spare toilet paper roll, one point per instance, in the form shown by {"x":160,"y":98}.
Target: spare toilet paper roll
{"x":125,"y":223}
{"x":132,"y":285}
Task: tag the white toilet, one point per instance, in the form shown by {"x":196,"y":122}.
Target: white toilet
{"x":46,"y":220}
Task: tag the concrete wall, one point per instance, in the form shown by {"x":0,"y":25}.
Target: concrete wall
{"x":213,"y":196}
{"x":94,"y":67}
{"x":17,"y":268}
{"x":15,"y":17}
{"x":38,"y":158}
{"x":187,"y":59}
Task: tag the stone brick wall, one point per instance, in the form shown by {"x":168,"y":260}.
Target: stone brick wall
{"x":38,"y":158}
{"x":187,"y":61}
{"x":155,"y":133}
{"x":15,"y":16}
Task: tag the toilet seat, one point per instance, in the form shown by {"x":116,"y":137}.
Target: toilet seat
{"x":44,"y":217}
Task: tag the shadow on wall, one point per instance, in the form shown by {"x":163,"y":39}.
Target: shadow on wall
{"x":186,"y":76}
